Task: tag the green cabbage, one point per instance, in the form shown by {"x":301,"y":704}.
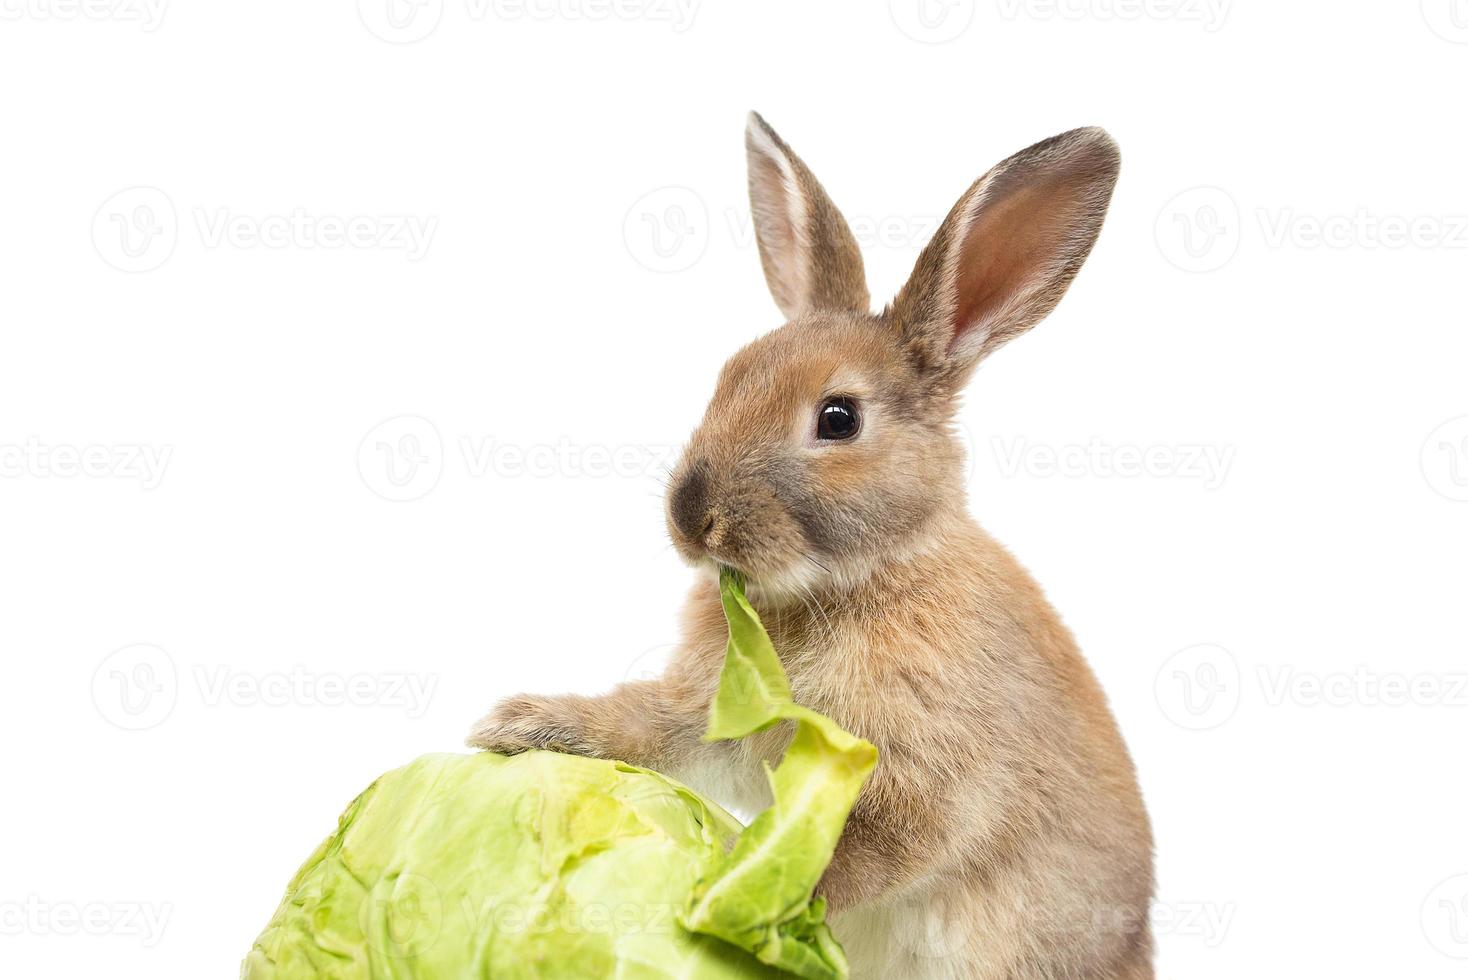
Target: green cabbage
{"x":556,"y":867}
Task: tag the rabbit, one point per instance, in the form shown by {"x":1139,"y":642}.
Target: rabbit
{"x":1002,"y":833}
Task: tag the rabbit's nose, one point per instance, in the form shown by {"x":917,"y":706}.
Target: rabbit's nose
{"x":688,"y":505}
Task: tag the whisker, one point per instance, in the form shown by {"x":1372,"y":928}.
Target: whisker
{"x":817,"y":610}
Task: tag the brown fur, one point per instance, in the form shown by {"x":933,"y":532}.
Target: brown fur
{"x":1002,"y":834}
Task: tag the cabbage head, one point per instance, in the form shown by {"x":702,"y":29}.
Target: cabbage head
{"x":547,"y":866}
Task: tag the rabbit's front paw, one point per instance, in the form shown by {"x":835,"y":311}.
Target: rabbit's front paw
{"x":528,"y":721}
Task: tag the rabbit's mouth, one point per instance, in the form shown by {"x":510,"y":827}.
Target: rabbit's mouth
{"x":769,"y":557}
{"x":774,"y":591}
{"x":766,"y":586}
{"x":748,"y":517}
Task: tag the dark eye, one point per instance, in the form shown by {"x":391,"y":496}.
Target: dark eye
{"x":838,"y":419}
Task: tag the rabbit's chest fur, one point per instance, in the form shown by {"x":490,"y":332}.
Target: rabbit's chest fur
{"x":935,"y":660}
{"x":997,"y":754}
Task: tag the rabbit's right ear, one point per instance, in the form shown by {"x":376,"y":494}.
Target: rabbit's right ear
{"x":810,"y":256}
{"x":1005,"y":254}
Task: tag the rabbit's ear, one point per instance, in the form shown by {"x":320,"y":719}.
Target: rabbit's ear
{"x":810,"y":257}
{"x":1005,"y":254}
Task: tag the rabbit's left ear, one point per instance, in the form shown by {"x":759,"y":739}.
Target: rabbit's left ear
{"x":1005,"y":254}
{"x":810,"y":256}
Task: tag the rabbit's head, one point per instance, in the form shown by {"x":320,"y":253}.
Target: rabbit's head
{"x":828,"y":446}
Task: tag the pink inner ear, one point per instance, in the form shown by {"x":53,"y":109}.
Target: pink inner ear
{"x":1010,"y":250}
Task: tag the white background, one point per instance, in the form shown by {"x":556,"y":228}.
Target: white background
{"x":204,"y":545}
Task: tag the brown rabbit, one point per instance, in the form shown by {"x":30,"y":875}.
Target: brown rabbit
{"x":1002,"y":834}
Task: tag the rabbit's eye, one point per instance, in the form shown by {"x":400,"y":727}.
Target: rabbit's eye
{"x":838,"y":419}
